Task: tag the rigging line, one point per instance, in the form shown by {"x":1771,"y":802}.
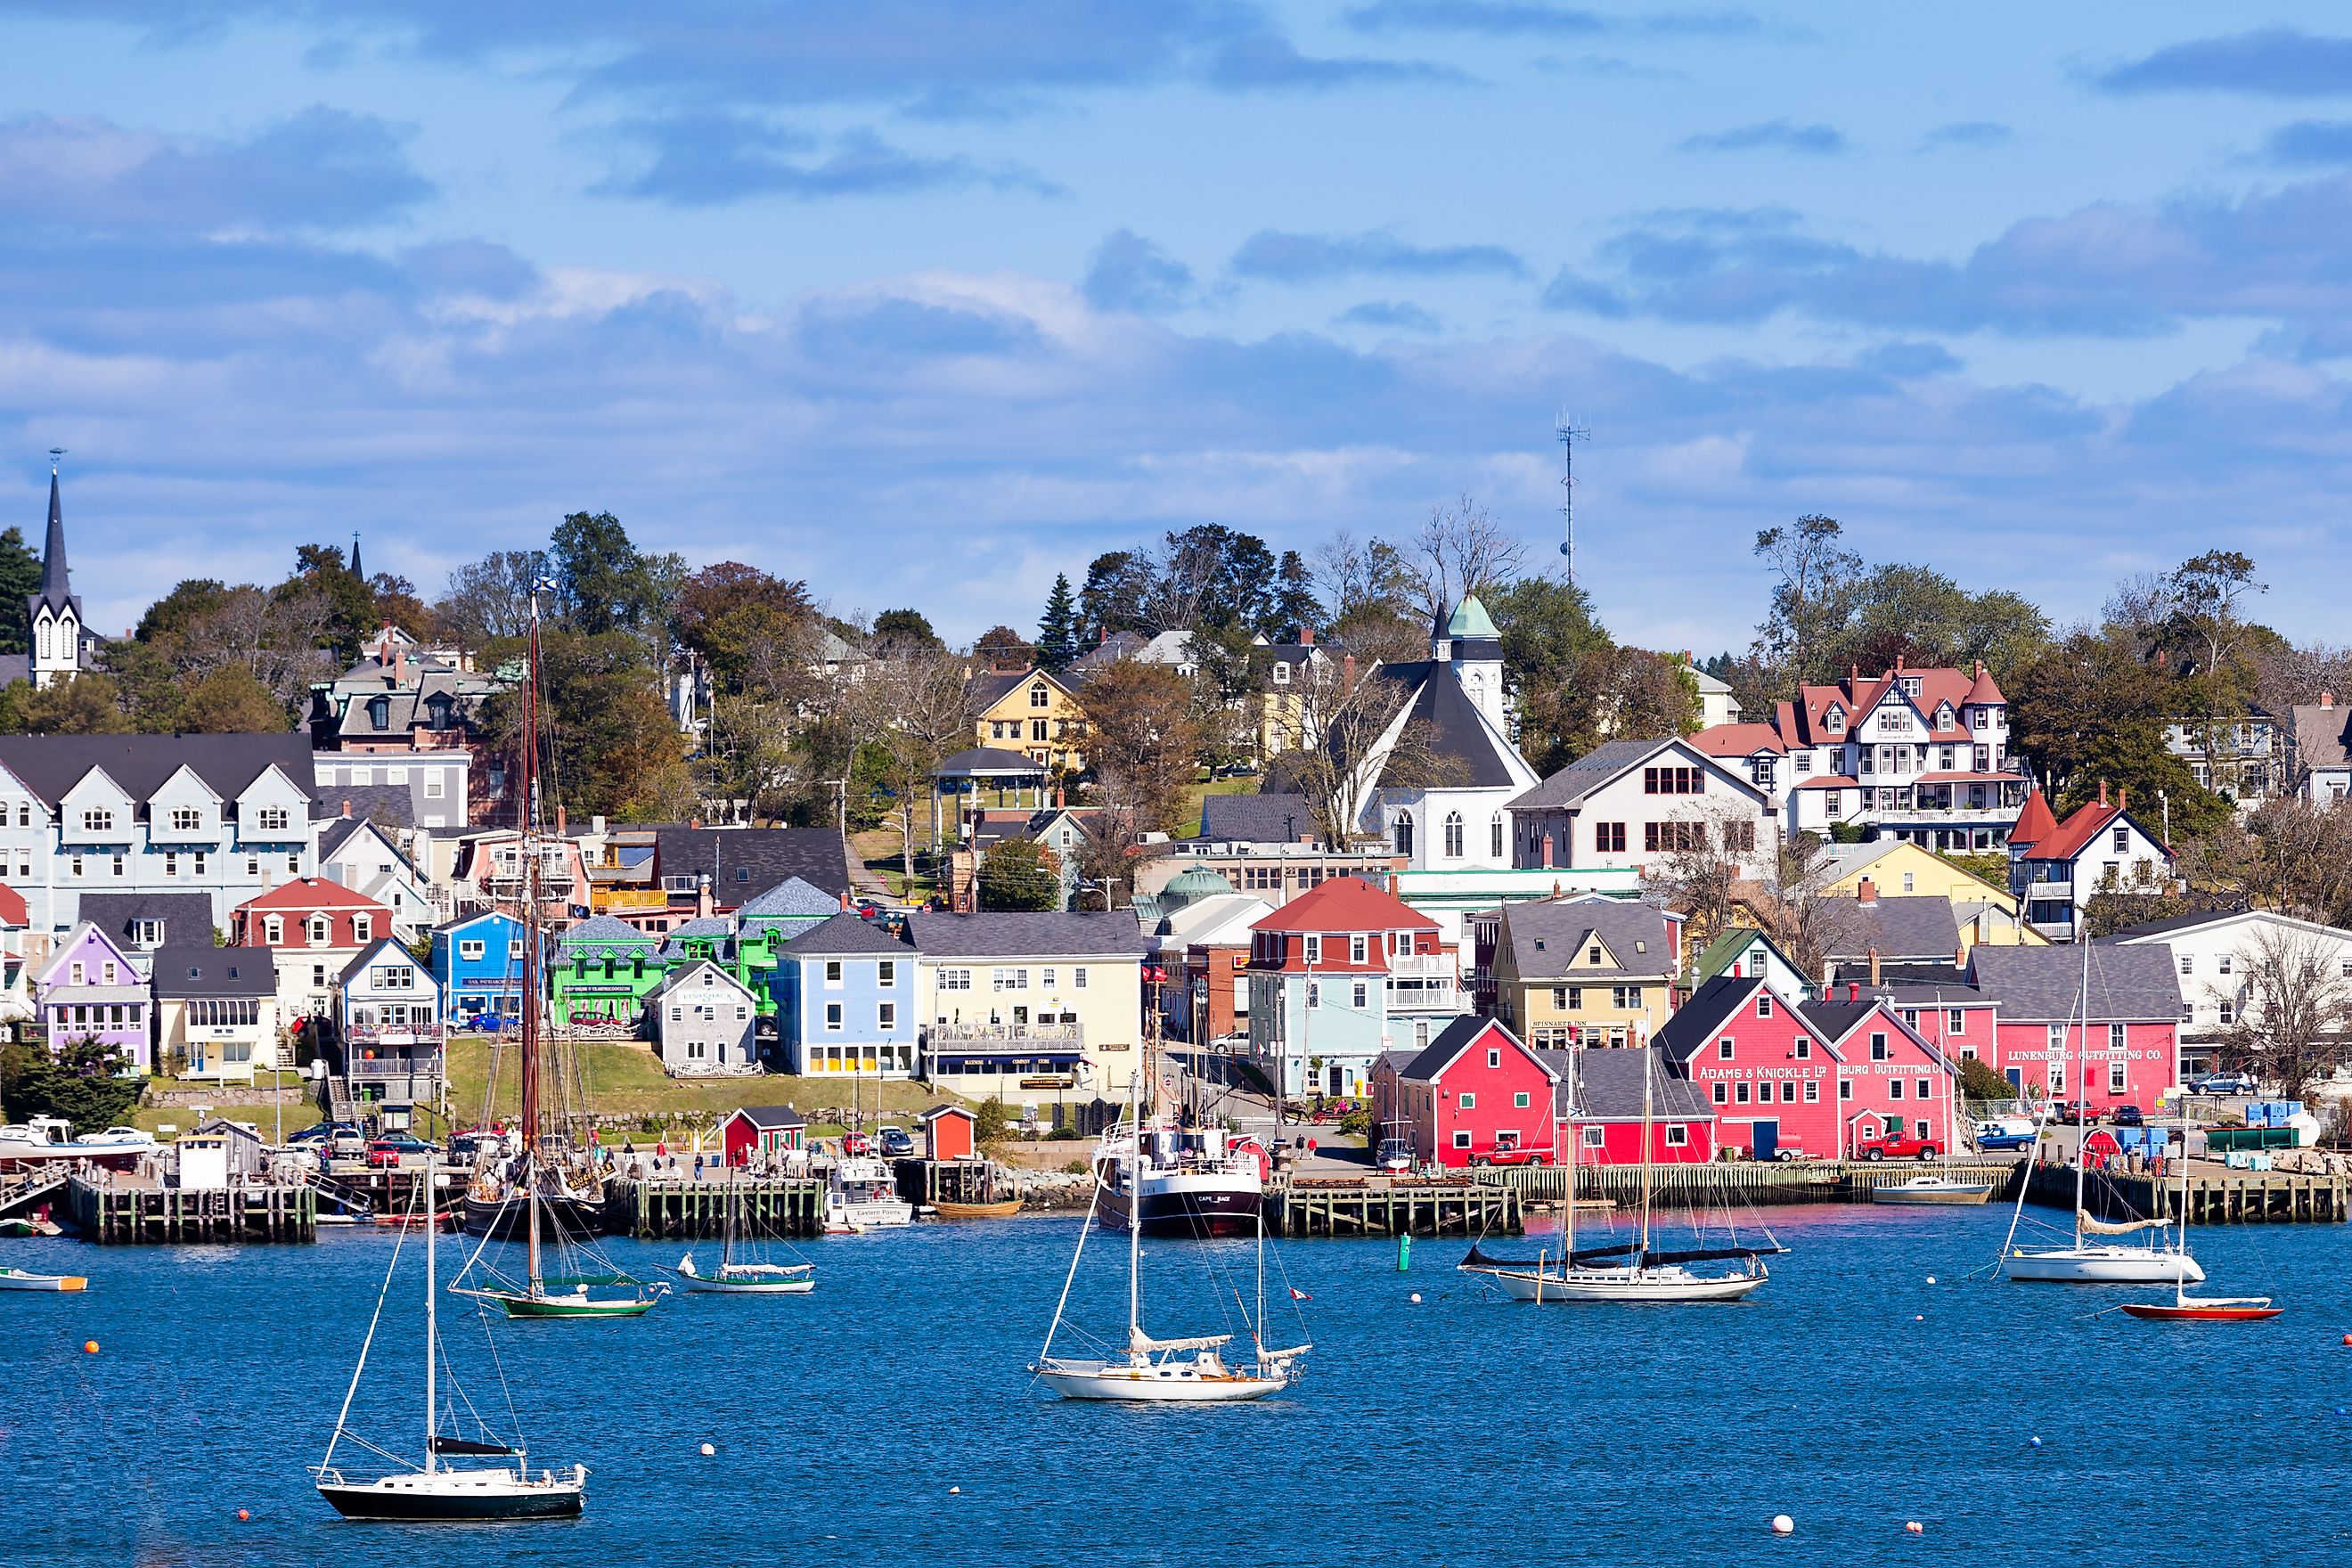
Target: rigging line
{"x":1080,"y":1251}
{"x":383,"y":1292}
{"x":498,"y":1366}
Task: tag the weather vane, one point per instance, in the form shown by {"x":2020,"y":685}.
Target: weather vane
{"x":55,"y":453}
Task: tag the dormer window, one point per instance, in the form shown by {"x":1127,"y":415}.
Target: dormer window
{"x":1944,"y":716}
{"x":1910,"y":684}
{"x":186,"y":819}
{"x":98,"y":819}
{"x":379,"y":712}
{"x":1281,"y":673}
{"x":1834,"y":721}
{"x":270,"y":819}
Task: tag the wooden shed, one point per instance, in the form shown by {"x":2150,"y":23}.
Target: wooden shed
{"x":949,"y":1133}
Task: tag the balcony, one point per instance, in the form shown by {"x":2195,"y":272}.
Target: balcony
{"x":2048,"y":892}
{"x":1007,"y":1036}
{"x":1447,"y":998}
{"x":1423,"y":965}
{"x":428,"y":1034}
{"x":362,"y":1070}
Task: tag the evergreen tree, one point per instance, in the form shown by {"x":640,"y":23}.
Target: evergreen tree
{"x":1057,"y":628}
{"x":20,"y":579}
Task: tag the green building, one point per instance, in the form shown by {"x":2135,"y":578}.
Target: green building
{"x":603,"y":969}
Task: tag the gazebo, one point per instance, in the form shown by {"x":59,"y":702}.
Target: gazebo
{"x":968,"y":771}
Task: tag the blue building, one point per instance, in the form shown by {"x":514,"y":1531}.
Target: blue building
{"x":846,"y":1001}
{"x":477,"y":963}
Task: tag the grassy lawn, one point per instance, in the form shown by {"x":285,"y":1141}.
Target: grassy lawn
{"x":623,"y":1079}
{"x":1245,"y":785}
{"x":878,"y":849}
{"x":237,"y":1101}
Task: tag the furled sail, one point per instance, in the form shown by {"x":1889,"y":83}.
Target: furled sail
{"x":2116,"y":1227}
{"x":1709,"y":1254}
{"x":1139,"y":1343}
{"x":468,"y":1445}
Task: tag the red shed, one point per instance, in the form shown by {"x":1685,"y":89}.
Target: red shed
{"x":949,"y":1133}
{"x":1478,"y":1091}
{"x":774,"y":1130}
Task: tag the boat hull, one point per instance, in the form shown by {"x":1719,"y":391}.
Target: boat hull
{"x":1194,"y":1207}
{"x":2168,"y":1312}
{"x":11,"y":1279}
{"x":1596,"y":1285}
{"x":1932,"y":1192}
{"x":1154,"y":1386}
{"x":560,"y":1218}
{"x":545,"y":1307}
{"x":450,"y":1497}
{"x":2103,"y":1266}
{"x":1004,"y":1210}
{"x":749,"y":1287}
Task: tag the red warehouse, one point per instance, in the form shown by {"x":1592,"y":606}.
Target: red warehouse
{"x":1475,"y":1094}
{"x":2131,"y":1053}
{"x":1892,"y":1083}
{"x":1608,"y":1107}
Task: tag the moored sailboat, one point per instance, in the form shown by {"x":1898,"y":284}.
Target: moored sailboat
{"x":741,"y":1277}
{"x":2184,"y":1308}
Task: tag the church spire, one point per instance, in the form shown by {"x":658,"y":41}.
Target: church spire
{"x":357,"y":571}
{"x":56,"y":584}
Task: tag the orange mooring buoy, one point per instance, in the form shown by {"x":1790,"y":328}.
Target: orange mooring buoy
{"x":89,"y":1347}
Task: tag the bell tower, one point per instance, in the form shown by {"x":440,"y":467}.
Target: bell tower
{"x":55,"y":636}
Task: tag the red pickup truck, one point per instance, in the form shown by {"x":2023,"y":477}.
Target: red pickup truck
{"x":1901,"y":1146}
{"x":1485,"y":1157}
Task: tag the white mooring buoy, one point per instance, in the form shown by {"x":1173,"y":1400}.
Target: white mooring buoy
{"x":1783,"y":1525}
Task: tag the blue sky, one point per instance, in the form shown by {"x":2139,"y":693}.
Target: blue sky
{"x":925,"y":300}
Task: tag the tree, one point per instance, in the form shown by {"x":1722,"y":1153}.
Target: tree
{"x":1460,"y":551}
{"x":322,"y":577}
{"x":20,"y":579}
{"x":490,"y":598}
{"x":1003,"y":647}
{"x":76,"y":1078}
{"x":917,"y":709}
{"x":1020,"y":874}
{"x":2087,"y":712}
{"x":2205,"y":594}
{"x":2300,"y":859}
{"x":1352,"y":718}
{"x":1811,"y":597}
{"x":1292,"y":606}
{"x":903,"y":631}
{"x":2292,"y":1007}
{"x":615,"y":751}
{"x":1715,"y":852}
{"x":89,"y":704}
{"x":1057,"y":628}
{"x":1142,"y":740}
{"x":230,"y":701}
{"x":1118,"y":585}
{"x":736,"y":616}
{"x":603,"y":583}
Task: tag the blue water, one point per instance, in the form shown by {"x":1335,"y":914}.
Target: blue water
{"x":1461,"y":1430}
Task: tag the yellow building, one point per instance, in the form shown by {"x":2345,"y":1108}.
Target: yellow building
{"x":1604,"y":967}
{"x":1031,"y":712}
{"x":1899,"y":868}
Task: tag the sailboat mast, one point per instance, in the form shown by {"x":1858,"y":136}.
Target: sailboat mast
{"x":2081,"y":1094}
{"x":530,"y":925}
{"x":432,"y":1320}
{"x":1134,"y":1208}
{"x":1648,"y":1112}
{"x":1575,"y":1069}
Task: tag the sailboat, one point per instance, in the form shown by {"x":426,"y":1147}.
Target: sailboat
{"x":740,"y":1278}
{"x":1943,"y":1189}
{"x":2090,"y":1262}
{"x":1191,"y":1368}
{"x":1622,"y":1271}
{"x":533,"y":1192}
{"x":434,"y":1492}
{"x":2184,"y":1308}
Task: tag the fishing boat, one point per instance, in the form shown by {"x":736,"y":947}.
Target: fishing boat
{"x":26,"y":1279}
{"x":861,"y":1195}
{"x":1631,"y":1271}
{"x":2184,"y":1308}
{"x":741,"y":1277}
{"x":2085,"y":1261}
{"x":1002,"y":1210}
{"x":1188,"y":1369}
{"x":1181,"y":1180}
{"x":545,"y":1192}
{"x":435,"y":1491}
{"x":1943,"y":1189}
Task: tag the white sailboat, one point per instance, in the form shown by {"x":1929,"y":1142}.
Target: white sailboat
{"x":1640,"y":1273}
{"x":435,"y":1492}
{"x":1189,"y":1369}
{"x":2088,"y":1261}
{"x":1943,"y":1189}
{"x":737,"y":1277}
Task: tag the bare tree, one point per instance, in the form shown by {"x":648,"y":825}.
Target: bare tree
{"x":274,"y":637}
{"x":1708,"y":858}
{"x":2298,"y":675}
{"x":2302,"y":862}
{"x":1353,"y":759}
{"x":2289,"y":1007}
{"x":1804,"y":919}
{"x":492,"y":597}
{"x":1460,"y":551}
{"x":917,"y":710}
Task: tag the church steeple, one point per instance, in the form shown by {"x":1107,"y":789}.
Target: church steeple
{"x":53,"y":616}
{"x":57,"y":581}
{"x":357,"y":570}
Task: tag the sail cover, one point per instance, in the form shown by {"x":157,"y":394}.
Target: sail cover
{"x":468,"y":1445}
{"x":2117,"y":1226}
{"x":1139,"y":1342}
{"x":1481,"y":1259}
{"x":1709,"y":1254}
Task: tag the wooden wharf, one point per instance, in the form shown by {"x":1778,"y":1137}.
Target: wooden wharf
{"x":2217,"y":1196}
{"x":1391,"y":1206}
{"x":691,"y":1211}
{"x":926,"y":1182}
{"x":115,"y":1209}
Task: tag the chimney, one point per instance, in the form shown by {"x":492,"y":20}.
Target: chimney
{"x":1853,"y":990}
{"x":1875,"y":980}
{"x":2123,"y":798}
{"x":2102,"y":791}
{"x":1057,"y":796}
{"x":703,"y":902}
{"x":695,"y":824}
{"x":400,"y":666}
{"x":1854,"y":675}
{"x":845,"y":901}
{"x":1898,"y":661}
{"x":1306,"y":637}
{"x":1866,"y":892}
{"x":2327,"y":700}
{"x":596,"y":825}
{"x":1960,"y":953}
{"x":1980,"y":670}
{"x":347,"y":806}
{"x":560,"y":823}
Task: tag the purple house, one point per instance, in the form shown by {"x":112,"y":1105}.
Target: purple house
{"x":91,"y":989}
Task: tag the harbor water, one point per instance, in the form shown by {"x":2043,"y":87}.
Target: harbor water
{"x":1849,"y":1393}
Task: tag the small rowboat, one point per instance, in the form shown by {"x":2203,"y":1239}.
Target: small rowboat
{"x":18,"y":1280}
{"x":978,"y":1211}
{"x":2213,"y":1310}
{"x":448,"y":1219}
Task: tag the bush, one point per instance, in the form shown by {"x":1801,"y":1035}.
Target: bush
{"x":991,"y":1123}
{"x":1074,"y":1167}
{"x":81,"y":1082}
{"x":1358,"y":1121}
{"x":1979,"y":1081}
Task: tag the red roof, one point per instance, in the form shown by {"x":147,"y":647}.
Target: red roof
{"x":2034,"y":823}
{"x":1828,"y":781}
{"x":2067,"y":841}
{"x":1737,"y":739}
{"x":1982,"y":692}
{"x":311,"y":893}
{"x":13,"y":912}
{"x":1346,"y":903}
{"x":1969,"y":778}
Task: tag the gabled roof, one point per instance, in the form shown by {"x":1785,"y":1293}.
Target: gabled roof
{"x":1548,"y":939}
{"x":367,"y":955}
{"x":703,"y":925}
{"x":1610,"y":760}
{"x":1346,"y":903}
{"x":789,"y":898}
{"x":313,"y":894}
{"x":1730,"y":947}
{"x":389,"y":804}
{"x":13,"y":909}
{"x":2323,"y":734}
{"x":2177,"y":923}
{"x":1694,"y":1023}
{"x":185,"y":916}
{"x":1459,"y":735}
{"x":604,"y":931}
{"x":690,"y":973}
{"x":1741,"y":739}
{"x":181,"y":970}
{"x":1256,"y":818}
{"x":1026,"y":935}
{"x":817,"y":855}
{"x":2079,"y":830}
{"x":1459,"y":1037}
{"x":986,"y":760}
{"x":1609,"y":1086}
{"x":50,"y":765}
{"x":769,"y":1118}
{"x":2129,"y":983}
{"x":844,"y":933}
{"x":1915,"y":926}
{"x":936,"y":1111}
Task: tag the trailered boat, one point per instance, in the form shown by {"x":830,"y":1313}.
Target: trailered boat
{"x":1190,"y":1369}
{"x":44,"y":1137}
{"x":26,"y":1279}
{"x":435,"y":1491}
{"x":1181,"y":1180}
{"x":1633,"y":1271}
{"x":741,"y":1277}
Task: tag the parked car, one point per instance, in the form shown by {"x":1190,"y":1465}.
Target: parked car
{"x":1396,"y":1154}
{"x":1511,"y":1157}
{"x":1902,"y":1146}
{"x":1996,"y":1135}
{"x":472,"y":1145}
{"x":2077,"y":1114}
{"x":391,"y":1152}
{"x":854,"y":1145}
{"x":2223,"y":1083}
{"x":346,"y":1143}
{"x":2126,"y":1116}
{"x":896,"y":1144}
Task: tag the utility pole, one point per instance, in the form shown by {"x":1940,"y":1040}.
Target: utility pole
{"x":1569,"y":434}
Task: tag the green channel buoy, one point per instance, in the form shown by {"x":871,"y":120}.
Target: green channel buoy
{"x":1404,"y":1252}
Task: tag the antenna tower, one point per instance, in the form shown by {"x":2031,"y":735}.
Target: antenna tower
{"x":1568,"y":433}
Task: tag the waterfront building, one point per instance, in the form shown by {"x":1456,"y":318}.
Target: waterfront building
{"x":216,"y":1011}
{"x":703,"y":1022}
{"x":844,"y":998}
{"x":90,"y":990}
{"x":2130,"y":1052}
{"x":2055,"y":868}
{"x":1011,"y":1002}
{"x":313,"y":929}
{"x":2219,"y":957}
{"x":477,"y":963}
{"x":1340,"y":975}
{"x":1204,"y":944}
{"x":388,"y":1033}
{"x":1598,"y":969}
{"x":1608,"y":1107}
{"x":1474,"y":1092}
{"x":228,"y":817}
{"x":603,"y":969}
{"x":949,"y":1133}
{"x":775,"y":1134}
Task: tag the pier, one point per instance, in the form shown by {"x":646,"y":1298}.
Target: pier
{"x":2217,"y":1196}
{"x":129,"y":1210}
{"x":693,"y":1210}
{"x":1384,"y":1205}
{"x":926,"y":1182}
